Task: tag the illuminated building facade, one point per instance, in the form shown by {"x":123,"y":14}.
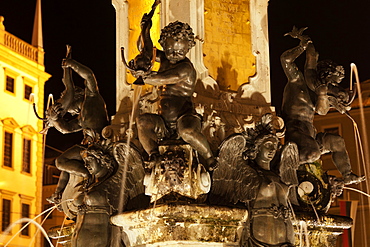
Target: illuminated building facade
{"x":22,"y":73}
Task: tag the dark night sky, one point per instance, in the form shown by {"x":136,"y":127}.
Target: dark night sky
{"x":339,"y":29}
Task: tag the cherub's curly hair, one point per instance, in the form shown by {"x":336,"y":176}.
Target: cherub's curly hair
{"x":178,"y":31}
{"x":326,"y":68}
{"x":103,"y":158}
{"x":253,"y":148}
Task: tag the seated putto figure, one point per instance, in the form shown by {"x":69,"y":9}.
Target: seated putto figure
{"x":249,"y":175}
{"x":177,"y":78}
{"x":315,"y":90}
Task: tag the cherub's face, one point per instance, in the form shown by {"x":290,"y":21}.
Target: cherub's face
{"x":267,"y":149}
{"x":92,"y":164}
{"x":175,"y":50}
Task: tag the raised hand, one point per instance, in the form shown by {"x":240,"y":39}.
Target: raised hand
{"x":296,"y":33}
{"x":66,"y":63}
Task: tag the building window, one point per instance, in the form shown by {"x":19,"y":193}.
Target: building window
{"x":10,"y":84}
{"x":8,"y":149}
{"x":26,"y":166}
{"x":5,"y":216}
{"x":27,"y":92}
{"x":25,"y":214}
{"x":332,"y":130}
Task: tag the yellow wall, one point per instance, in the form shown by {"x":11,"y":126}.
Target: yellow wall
{"x":141,"y":7}
{"x":25,"y":64}
{"x":227,"y":47}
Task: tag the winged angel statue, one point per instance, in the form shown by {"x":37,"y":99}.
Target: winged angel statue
{"x":109,"y":190}
{"x":254,"y":171}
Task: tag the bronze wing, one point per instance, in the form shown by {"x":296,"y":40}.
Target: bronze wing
{"x":234,"y":180}
{"x":125,"y":186}
{"x":289,"y":164}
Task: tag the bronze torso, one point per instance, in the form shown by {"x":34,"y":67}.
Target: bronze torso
{"x":270,"y":210}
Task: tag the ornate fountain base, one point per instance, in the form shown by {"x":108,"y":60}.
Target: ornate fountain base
{"x":182,"y":225}
{"x":202,"y":225}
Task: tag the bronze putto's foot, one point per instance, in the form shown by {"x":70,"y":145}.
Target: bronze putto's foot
{"x":352,"y":178}
{"x":56,"y":199}
{"x":211,"y":164}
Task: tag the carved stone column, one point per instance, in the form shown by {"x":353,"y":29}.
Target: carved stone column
{"x":260,"y":47}
{"x":122,"y":38}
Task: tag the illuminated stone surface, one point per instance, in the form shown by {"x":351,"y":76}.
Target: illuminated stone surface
{"x":322,"y":231}
{"x":182,"y":225}
{"x":201,"y":225}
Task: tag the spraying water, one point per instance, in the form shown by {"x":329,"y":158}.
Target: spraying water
{"x":356,"y":190}
{"x":38,"y":229}
{"x":302,"y":226}
{"x":303,"y":230}
{"x":129,"y":133}
{"x":61,"y":227}
{"x":29,"y":221}
{"x":364,"y":149}
{"x":46,"y":217}
{"x":362,"y":114}
{"x":362,"y":146}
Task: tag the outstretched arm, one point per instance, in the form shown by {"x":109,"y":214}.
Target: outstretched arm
{"x":67,"y":127}
{"x":310,"y":71}
{"x":145,"y":43}
{"x":145,"y":60}
{"x":288,"y":58}
{"x":182,"y":72}
{"x":287,"y":62}
{"x":84,"y":72}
